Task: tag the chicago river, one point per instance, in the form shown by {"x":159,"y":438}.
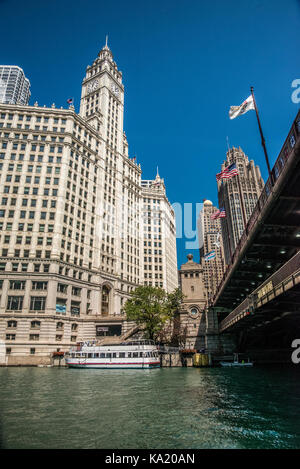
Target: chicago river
{"x":184,"y":408}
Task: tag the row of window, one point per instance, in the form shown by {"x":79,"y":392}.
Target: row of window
{"x":34,"y":190}
{"x":24,"y":214}
{"x":37,"y":325}
{"x":152,"y":284}
{"x":33,"y":203}
{"x":115,"y":355}
{"x":38,"y":169}
{"x":38,"y":303}
{"x":32,"y":158}
{"x":33,"y":147}
{"x":43,"y":285}
{"x":16,"y":267}
{"x":27,"y":118}
{"x":36,"y":337}
{"x":33,"y":180}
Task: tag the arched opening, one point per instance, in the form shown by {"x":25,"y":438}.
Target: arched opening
{"x":105,"y":300}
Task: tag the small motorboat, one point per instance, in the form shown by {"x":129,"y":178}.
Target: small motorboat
{"x":236,"y":362}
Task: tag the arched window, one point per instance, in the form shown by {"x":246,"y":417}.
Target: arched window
{"x":105,"y":300}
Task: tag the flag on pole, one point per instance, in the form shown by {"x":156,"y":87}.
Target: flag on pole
{"x":70,"y":101}
{"x":228,"y":172}
{"x":246,"y":106}
{"x":210,"y":255}
{"x":218,"y":214}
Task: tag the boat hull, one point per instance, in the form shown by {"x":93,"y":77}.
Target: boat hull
{"x":112,"y":366}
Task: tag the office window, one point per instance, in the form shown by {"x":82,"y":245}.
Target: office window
{"x":37,"y":303}
{"x":15,"y":303}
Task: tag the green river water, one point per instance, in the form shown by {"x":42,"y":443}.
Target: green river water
{"x":168,"y":408}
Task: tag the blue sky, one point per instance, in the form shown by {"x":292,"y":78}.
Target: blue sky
{"x":183,"y":62}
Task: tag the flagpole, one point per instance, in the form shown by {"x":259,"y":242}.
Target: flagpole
{"x":263,"y":142}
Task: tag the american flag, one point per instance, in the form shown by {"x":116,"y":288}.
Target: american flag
{"x":218,"y":214}
{"x":228,"y":172}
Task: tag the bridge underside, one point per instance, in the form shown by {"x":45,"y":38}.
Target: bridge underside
{"x":273,"y":238}
{"x":281,"y":313}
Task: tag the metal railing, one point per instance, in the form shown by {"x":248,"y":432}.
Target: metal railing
{"x":278,"y":169}
{"x":166,"y":349}
{"x":290,"y":268}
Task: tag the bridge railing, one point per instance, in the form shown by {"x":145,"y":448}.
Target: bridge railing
{"x":290,"y":268}
{"x":288,"y":146}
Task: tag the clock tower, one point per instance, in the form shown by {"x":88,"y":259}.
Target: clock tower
{"x":102,"y":98}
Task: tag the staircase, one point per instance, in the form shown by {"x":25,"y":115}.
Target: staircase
{"x":121,"y":338}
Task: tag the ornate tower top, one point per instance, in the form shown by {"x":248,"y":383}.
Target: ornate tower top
{"x":157,"y":179}
{"x":105,"y":52}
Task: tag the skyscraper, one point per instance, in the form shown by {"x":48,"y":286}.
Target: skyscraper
{"x":210,"y":239}
{"x":238,"y":196}
{"x":159,"y":239}
{"x":72,"y":233}
{"x":14,"y":86}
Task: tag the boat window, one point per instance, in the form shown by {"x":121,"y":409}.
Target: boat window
{"x":89,"y":355}
{"x":141,"y":354}
{"x":135,"y":354}
{"x":102,"y":355}
{"x":122,"y":355}
{"x":96,"y":355}
{"x":108,"y":355}
{"x":129,"y":354}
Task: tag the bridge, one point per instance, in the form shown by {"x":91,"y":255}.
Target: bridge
{"x":262,"y":282}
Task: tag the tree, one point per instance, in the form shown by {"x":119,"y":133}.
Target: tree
{"x":173,"y":333}
{"x":152,"y":307}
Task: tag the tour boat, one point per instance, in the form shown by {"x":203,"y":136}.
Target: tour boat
{"x":134,"y":354}
{"x":236,"y":362}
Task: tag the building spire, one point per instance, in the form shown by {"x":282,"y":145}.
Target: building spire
{"x":157,"y":174}
{"x":106,"y":41}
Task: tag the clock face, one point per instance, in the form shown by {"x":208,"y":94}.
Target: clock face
{"x":114,"y":89}
{"x":93,"y":86}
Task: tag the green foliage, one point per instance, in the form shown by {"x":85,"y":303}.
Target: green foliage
{"x":152,"y":307}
